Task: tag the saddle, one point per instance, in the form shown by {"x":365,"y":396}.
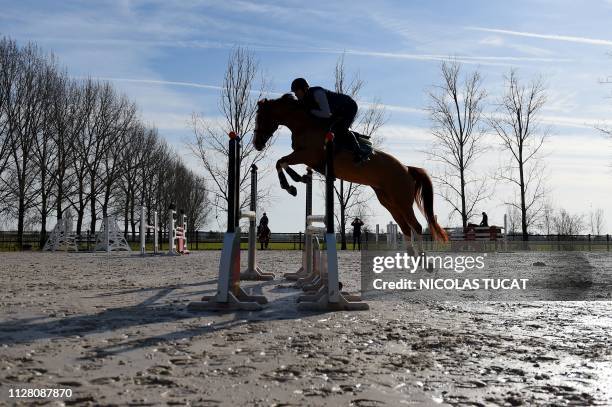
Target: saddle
{"x":364,"y":145}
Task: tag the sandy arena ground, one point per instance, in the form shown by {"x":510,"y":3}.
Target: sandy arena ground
{"x":115,"y":331}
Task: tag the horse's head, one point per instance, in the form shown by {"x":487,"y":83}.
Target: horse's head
{"x":265,"y":124}
{"x":270,"y":115}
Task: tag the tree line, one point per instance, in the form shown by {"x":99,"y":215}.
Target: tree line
{"x":79,"y":147}
{"x":465,"y":128}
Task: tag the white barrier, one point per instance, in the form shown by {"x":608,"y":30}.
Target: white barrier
{"x":62,"y":237}
{"x":110,"y":237}
{"x":144,"y":228}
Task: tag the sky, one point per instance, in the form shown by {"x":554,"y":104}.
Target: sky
{"x":169,"y":56}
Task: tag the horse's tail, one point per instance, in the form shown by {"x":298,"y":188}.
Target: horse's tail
{"x":424,"y":199}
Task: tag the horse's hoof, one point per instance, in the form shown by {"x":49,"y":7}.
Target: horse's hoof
{"x":292,"y":190}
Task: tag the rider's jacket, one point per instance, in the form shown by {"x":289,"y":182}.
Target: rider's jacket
{"x":325,"y":103}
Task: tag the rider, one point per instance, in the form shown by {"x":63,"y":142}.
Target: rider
{"x":485,"y":220}
{"x":339,"y":108}
{"x":264,"y":220}
{"x":263,"y":232}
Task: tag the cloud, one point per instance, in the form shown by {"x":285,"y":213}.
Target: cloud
{"x":500,"y":42}
{"x":575,"y":122}
{"x":466,"y":59}
{"x":554,"y":37}
{"x":158,"y":82}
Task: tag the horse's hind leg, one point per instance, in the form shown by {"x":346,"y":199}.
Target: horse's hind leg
{"x":398,"y":215}
{"x":403,"y":198}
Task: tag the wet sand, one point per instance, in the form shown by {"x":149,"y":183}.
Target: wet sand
{"x":115,"y":330}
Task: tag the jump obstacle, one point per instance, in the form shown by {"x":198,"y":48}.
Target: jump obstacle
{"x":318,"y":275}
{"x":110,"y":237}
{"x":253,"y":272}
{"x":177,"y":232}
{"x":62,"y":237}
{"x":307,"y":255}
{"x":144,"y":228}
{"x":230,"y":296}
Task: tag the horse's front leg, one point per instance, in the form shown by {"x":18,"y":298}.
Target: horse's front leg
{"x":282,"y":165}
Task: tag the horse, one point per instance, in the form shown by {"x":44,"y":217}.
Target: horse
{"x":263,"y":235}
{"x":396,"y":185}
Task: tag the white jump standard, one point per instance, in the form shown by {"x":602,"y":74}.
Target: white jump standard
{"x":311,"y":275}
{"x":230,"y":296}
{"x":177,"y":232}
{"x":144,"y":228}
{"x":253,"y":272}
{"x":329,"y":297}
{"x":306,"y":268}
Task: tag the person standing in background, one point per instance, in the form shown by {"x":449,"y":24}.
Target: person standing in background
{"x":357,"y":224}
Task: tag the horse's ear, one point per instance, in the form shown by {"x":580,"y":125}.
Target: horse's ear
{"x":261,"y":102}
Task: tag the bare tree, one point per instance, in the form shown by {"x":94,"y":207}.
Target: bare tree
{"x":567,"y":224}
{"x":517,"y":124}
{"x":238,"y":105}
{"x":456,"y":114}
{"x":596,"y":221}
{"x":9,"y":58}
{"x":45,"y":149}
{"x":24,"y":111}
{"x":514,"y":219}
{"x":67,"y":121}
{"x":81,"y":151}
{"x":548,"y":214}
{"x":353,"y":198}
{"x":119,"y":138}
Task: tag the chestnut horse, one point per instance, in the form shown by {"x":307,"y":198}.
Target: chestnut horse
{"x":397,"y":186}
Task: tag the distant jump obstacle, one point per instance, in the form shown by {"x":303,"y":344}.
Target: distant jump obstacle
{"x":110,"y":238}
{"x":392,"y":235}
{"x":177,"y":232}
{"x":462,"y":238}
{"x":253,"y":272}
{"x":62,"y":237}
{"x":144,"y":228}
{"x":230,"y":296}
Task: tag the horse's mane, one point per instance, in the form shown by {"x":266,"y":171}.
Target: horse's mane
{"x":286,"y":103}
{"x":289,"y":96}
